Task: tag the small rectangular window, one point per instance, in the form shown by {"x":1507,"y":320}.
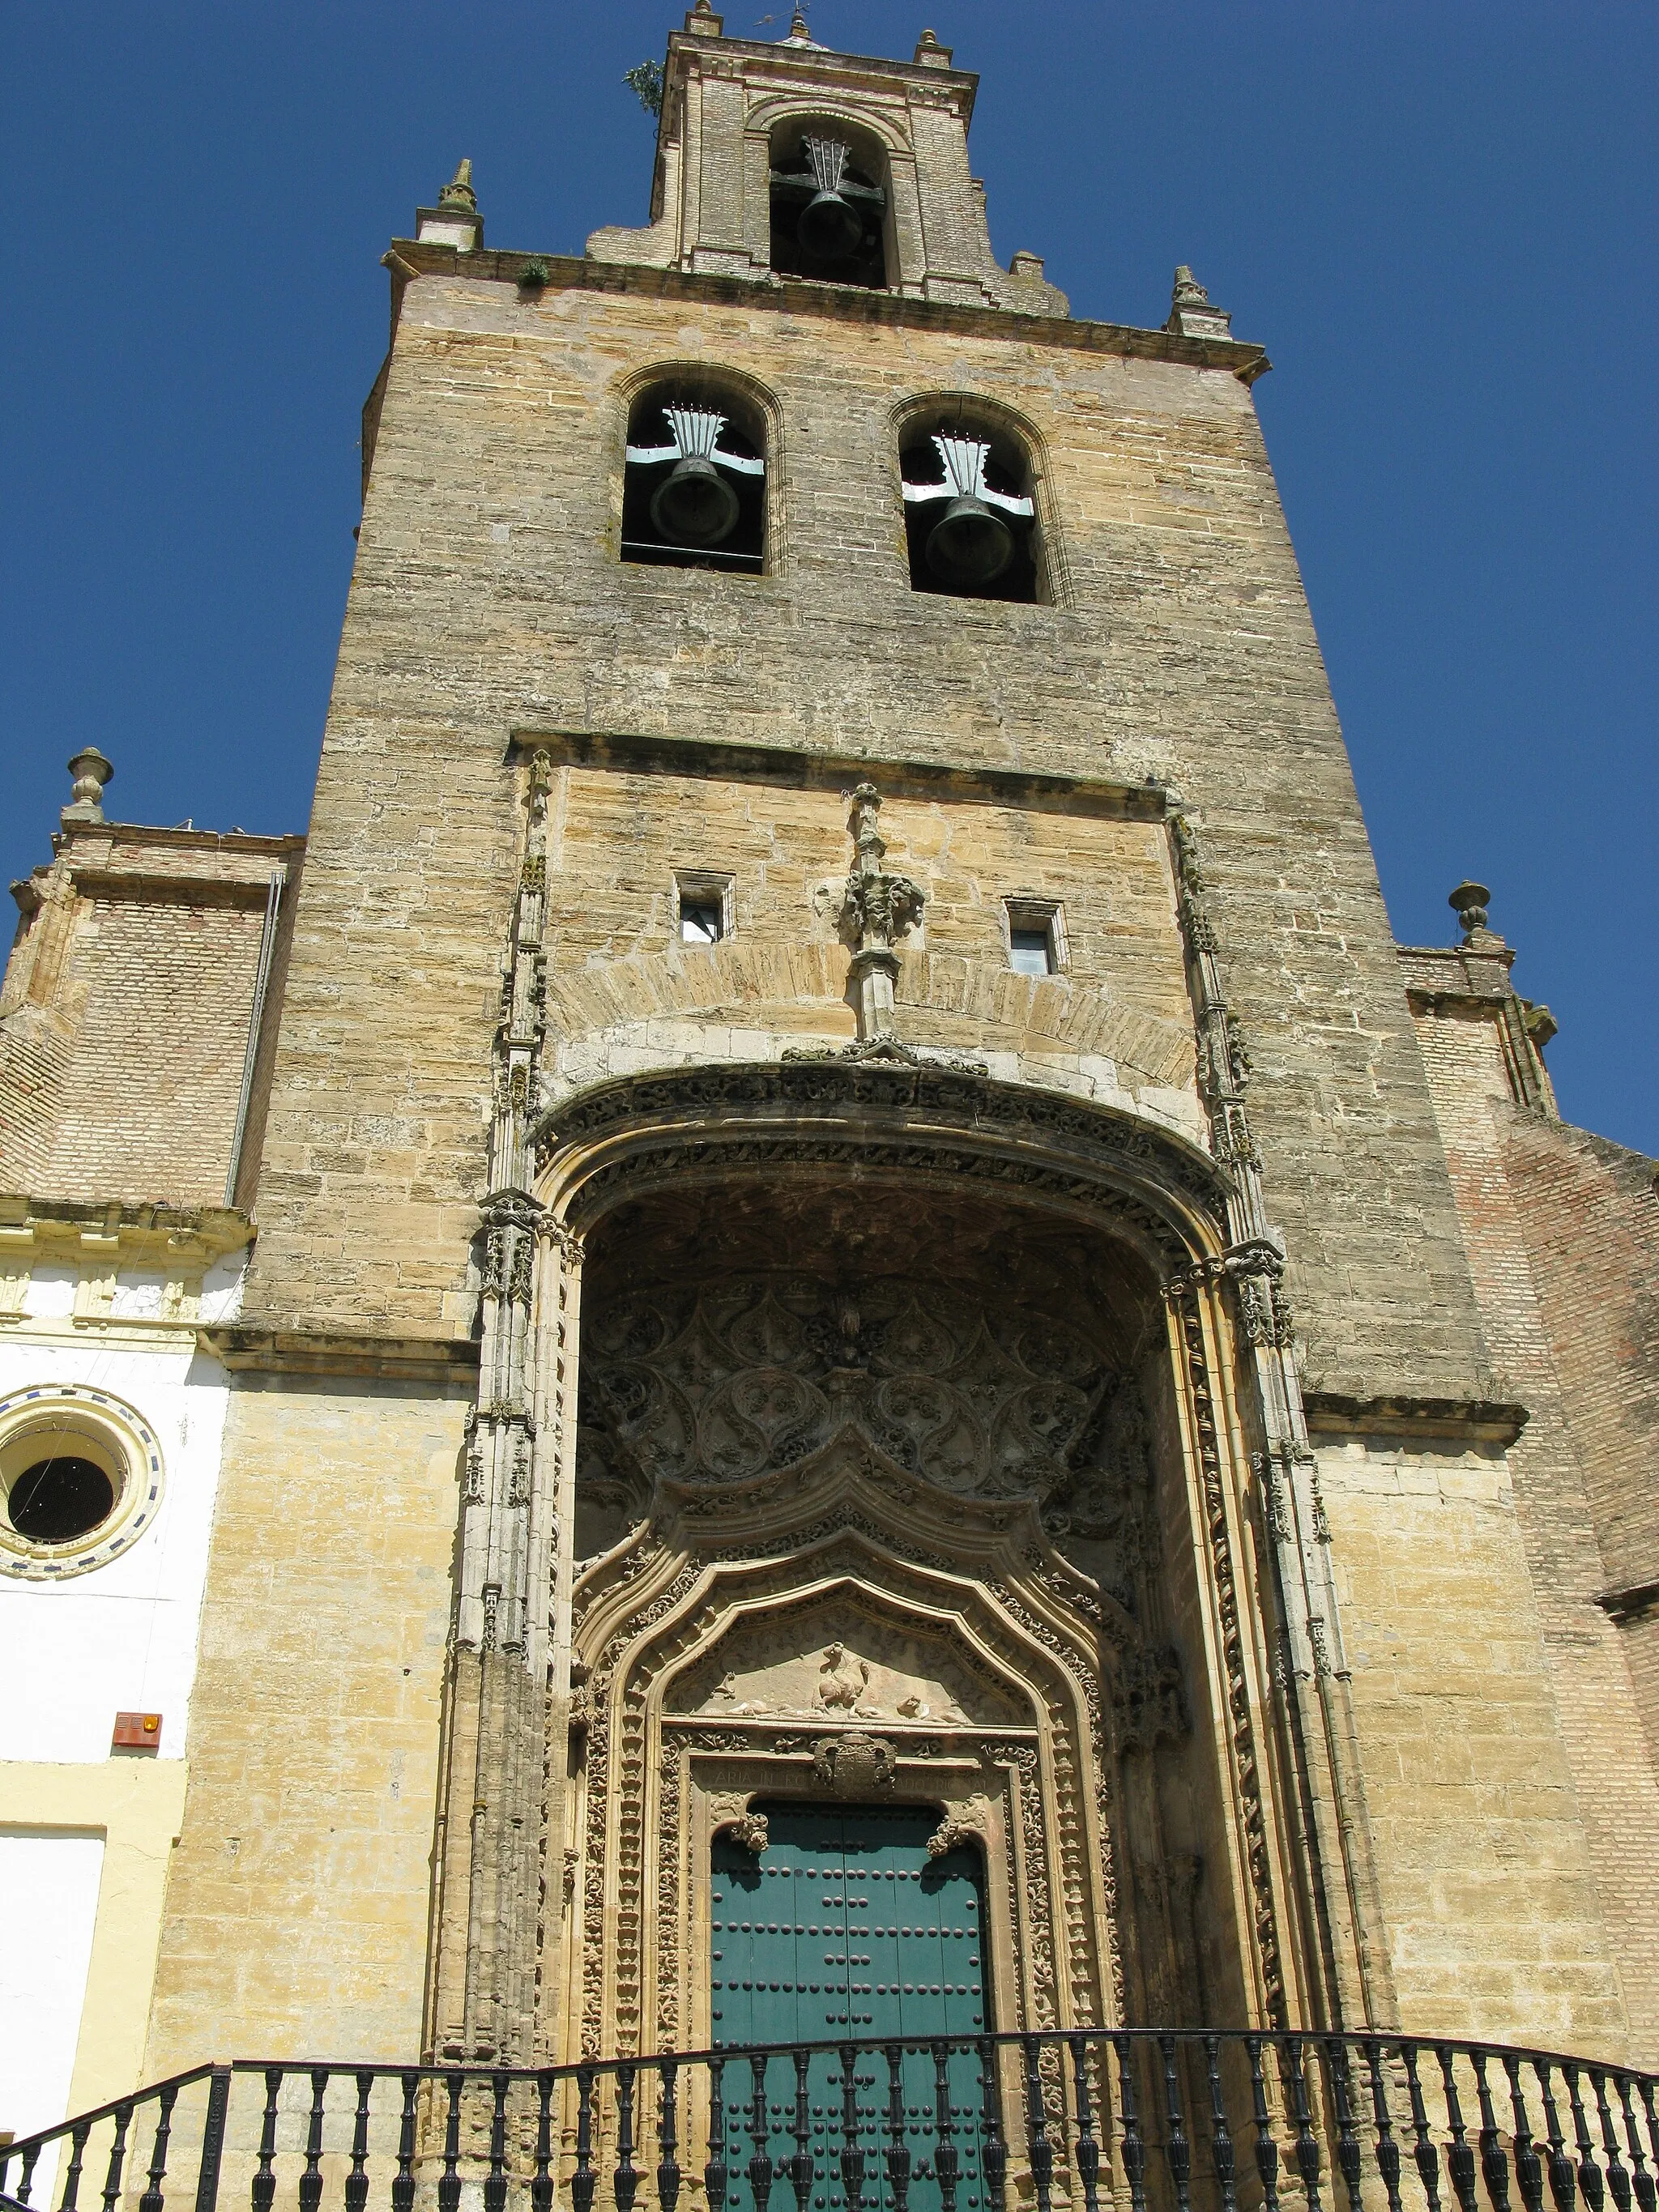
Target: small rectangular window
{"x":1031,"y":951}
{"x":700,"y":925}
{"x":1037,"y":937}
{"x":702,"y":907}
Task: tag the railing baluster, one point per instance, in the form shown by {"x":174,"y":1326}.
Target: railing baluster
{"x":78,"y":2134}
{"x":993,"y":2148}
{"x":1387,"y":2149}
{"x":668,"y":2140}
{"x":899,"y":2152}
{"x":1221,"y":2136}
{"x":1134,"y":2143}
{"x":1618,"y":2173}
{"x":1424,"y":2153}
{"x":1563,"y":2180}
{"x":1647,"y":2093}
{"x":1266,"y":2150}
{"x":1177,"y":2151}
{"x":26,"y":2177}
{"x":403,"y":2181}
{"x":947,"y":2160}
{"x":1528,"y":2170}
{"x":356,"y":2182}
{"x":117,"y":2156}
{"x":583,"y":2179}
{"x":449,"y":2181}
{"x":541,"y":2182}
{"x":1590,"y":2182}
{"x":800,"y":2161}
{"x":760,"y":2162}
{"x":1347,"y":2142}
{"x":1307,"y":2143}
{"x":715,"y":2175}
{"x":1088,"y":2150}
{"x":495,"y":2188}
{"x":153,"y":2199}
{"x":1646,"y":2195}
{"x":1039,"y":2151}
{"x":263,"y":2188}
{"x":852,"y":2152}
{"x":311,"y":2181}
{"x":213,"y":2122}
{"x":1460,"y":2159}
{"x":626,"y":2184}
{"x":1493,"y":2164}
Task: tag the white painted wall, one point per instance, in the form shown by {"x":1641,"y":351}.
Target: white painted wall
{"x":49,"y":1881}
{"x":123,"y":1637}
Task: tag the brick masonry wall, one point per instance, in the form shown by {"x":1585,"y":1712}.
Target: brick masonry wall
{"x":488,"y":596}
{"x":147,"y":1101}
{"x":1521,"y":1180}
{"x":125,"y":1021}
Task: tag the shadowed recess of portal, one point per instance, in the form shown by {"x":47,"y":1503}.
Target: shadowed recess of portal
{"x":993,"y":1352}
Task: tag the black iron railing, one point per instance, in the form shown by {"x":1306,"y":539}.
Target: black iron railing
{"x":1140,"y":2120}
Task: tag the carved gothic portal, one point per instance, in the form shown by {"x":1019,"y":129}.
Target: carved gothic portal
{"x":886,"y":1496}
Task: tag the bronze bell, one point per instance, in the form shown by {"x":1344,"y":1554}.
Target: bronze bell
{"x":696,"y":506}
{"x":970,"y":545}
{"x":829,"y":228}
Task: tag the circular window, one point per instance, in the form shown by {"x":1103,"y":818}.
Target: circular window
{"x":80,"y":1479}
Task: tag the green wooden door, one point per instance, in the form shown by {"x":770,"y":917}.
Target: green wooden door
{"x":845,"y":1929}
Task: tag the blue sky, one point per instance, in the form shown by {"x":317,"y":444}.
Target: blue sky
{"x":1439,"y":219}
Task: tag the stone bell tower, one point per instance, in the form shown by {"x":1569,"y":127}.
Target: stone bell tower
{"x":850,"y":1219}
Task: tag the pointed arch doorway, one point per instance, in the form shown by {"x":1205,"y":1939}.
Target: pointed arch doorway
{"x":846,"y":1930}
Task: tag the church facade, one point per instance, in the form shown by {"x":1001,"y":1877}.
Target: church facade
{"x":818,"y":1196}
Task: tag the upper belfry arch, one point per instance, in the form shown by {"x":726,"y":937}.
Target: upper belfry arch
{"x":718,"y":208}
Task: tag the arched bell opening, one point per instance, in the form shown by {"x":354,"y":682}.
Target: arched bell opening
{"x":779,"y":1362}
{"x":971,"y":513}
{"x":694,"y":477}
{"x":829,"y":203}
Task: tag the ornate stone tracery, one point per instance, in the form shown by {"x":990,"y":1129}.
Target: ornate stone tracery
{"x":961,"y":1708}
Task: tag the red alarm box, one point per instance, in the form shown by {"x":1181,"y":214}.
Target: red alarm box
{"x":136,"y":1732}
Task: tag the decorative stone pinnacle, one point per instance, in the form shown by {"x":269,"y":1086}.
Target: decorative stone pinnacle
{"x":881,"y":907}
{"x":1192,"y":314}
{"x":91,"y":772}
{"x":1188,"y":292}
{"x":1469,"y":902}
{"x":458,"y":192}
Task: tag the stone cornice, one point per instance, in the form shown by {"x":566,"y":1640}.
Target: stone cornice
{"x":633,"y":751}
{"x":245,"y":1348}
{"x":139,"y":1232}
{"x":870,"y":71}
{"x":409,"y":261}
{"x":1467,"y":1420}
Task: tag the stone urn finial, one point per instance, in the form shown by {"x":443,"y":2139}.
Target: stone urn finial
{"x":1469,"y":902}
{"x":91,"y":772}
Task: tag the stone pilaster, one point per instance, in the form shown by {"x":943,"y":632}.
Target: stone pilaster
{"x":492,"y":1839}
{"x":1341,"y":1896}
